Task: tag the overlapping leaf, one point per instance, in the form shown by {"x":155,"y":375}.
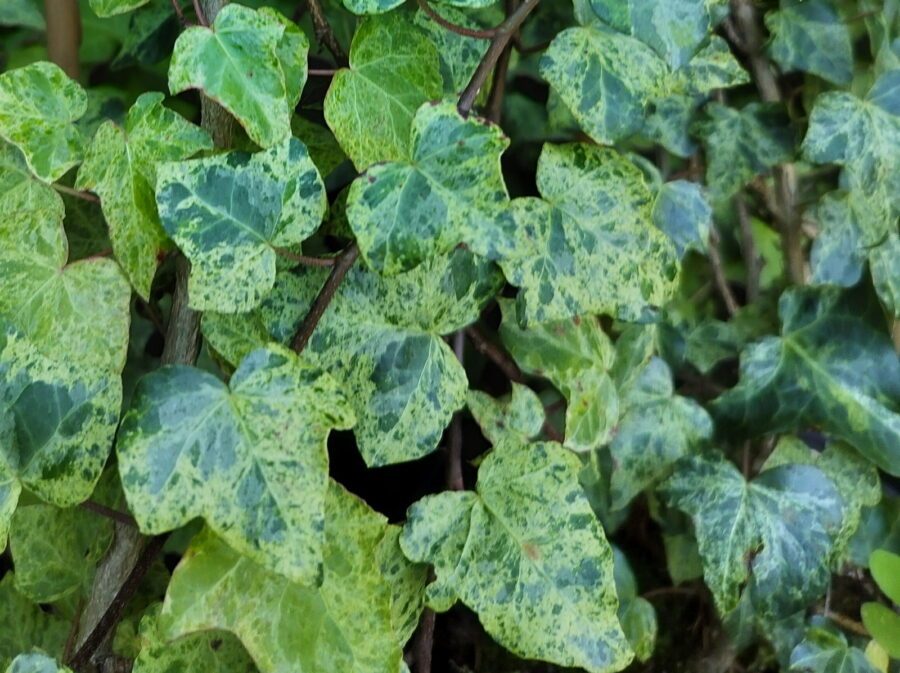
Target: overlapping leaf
{"x":576,"y":356}
{"x":774,"y":534}
{"x":825,"y":650}
{"x":36,"y":663}
{"x":38,"y":107}
{"x":449,"y":191}
{"x":636,"y":614}
{"x":394,"y":68}
{"x":249,"y":457}
{"x":459,"y":55}
{"x":590,"y":245}
{"x":104,"y":8}
{"x":519,"y":414}
{"x":527,"y":554}
{"x":25,"y":625}
{"x":343,"y":625}
{"x":831,"y":367}
{"x":252,"y":62}
{"x":229,"y":212}
{"x":59,"y":406}
{"x":120,"y":166}
{"x":811,"y":36}
{"x":656,"y":429}
{"x":381,"y":336}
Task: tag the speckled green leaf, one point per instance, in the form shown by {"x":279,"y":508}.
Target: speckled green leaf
{"x":203,"y":652}
{"x":394,"y":68}
{"x":450,"y":191}
{"x":381,"y":337}
{"x":861,"y":134}
{"x":459,"y":54}
{"x":371,"y":6}
{"x":884,"y":263}
{"x":38,"y":107}
{"x":527,"y":555}
{"x":56,"y":550}
{"x":714,"y":67}
{"x":669,"y":123}
{"x":407,"y":582}
{"x":120,"y":166}
{"x":104,"y":8}
{"x":832,"y":367}
{"x":21,"y":13}
{"x":811,"y":36}
{"x":681,"y":210}
{"x":656,"y":429}
{"x":343,"y":625}
{"x":825,"y":650}
{"x":605,"y":79}
{"x":590,"y":245}
{"x":59,"y":405}
{"x":741,"y":144}
{"x":25,"y":625}
{"x":519,"y":414}
{"x":636,"y":614}
{"x":253,"y":62}
{"x":855,"y":478}
{"x":249,"y":457}
{"x":576,"y":355}
{"x":228,"y":212}
{"x":772,"y":536}
{"x":36,"y":663}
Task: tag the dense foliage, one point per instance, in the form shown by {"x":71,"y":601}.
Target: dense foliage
{"x":371,"y":336}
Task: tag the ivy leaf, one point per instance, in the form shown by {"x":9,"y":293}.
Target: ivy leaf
{"x":381,"y":336}
{"x":811,"y":36}
{"x":38,"y":107}
{"x":152,"y":31}
{"x":370,"y":106}
{"x":459,"y":55}
{"x":249,"y":457}
{"x":25,"y":625}
{"x":363,"y":7}
{"x":450,"y":190}
{"x":120,"y":166}
{"x":519,"y":414}
{"x":105,"y":8}
{"x":682,"y":212}
{"x":252,"y":62}
{"x":36,"y":663}
{"x":884,"y":263}
{"x":741,"y":144}
{"x":527,"y":554}
{"x":407,"y":582}
{"x":656,"y":429}
{"x":203,"y":652}
{"x":229,"y":212}
{"x":576,"y":356}
{"x":59,"y":407}
{"x":21,"y":13}
{"x":346,"y":624}
{"x":596,"y":213}
{"x":825,"y":650}
{"x":774,"y":534}
{"x":636,"y":614}
{"x":860,"y":134}
{"x":831,"y":367}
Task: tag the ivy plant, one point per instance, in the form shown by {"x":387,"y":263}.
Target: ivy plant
{"x":413,"y":336}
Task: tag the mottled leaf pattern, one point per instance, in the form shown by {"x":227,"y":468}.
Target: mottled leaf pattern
{"x":459,"y":55}
{"x":249,"y":457}
{"x":773,"y":535}
{"x":682,"y":212}
{"x":229,"y":212}
{"x":105,"y":8}
{"x":381,"y":336}
{"x":38,"y":107}
{"x":394,"y":68}
{"x":831,"y":367}
{"x":589,"y":245}
{"x":450,"y":191}
{"x":636,"y":614}
{"x":252,"y":62}
{"x":519,"y":414}
{"x":825,"y":650}
{"x":25,"y":625}
{"x":120,"y":166}
{"x":810,"y":36}
{"x":345,"y":624}
{"x":527,"y":554}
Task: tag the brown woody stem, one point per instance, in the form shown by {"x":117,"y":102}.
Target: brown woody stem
{"x":326,"y":294}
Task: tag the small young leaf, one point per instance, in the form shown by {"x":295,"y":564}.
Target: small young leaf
{"x":229,"y":212}
{"x":252,"y":62}
{"x":450,"y":191}
{"x":249,"y":457}
{"x":527,"y":554}
{"x":394,"y":68}
{"x":120,"y":166}
{"x":38,"y":107}
{"x":36,"y":663}
{"x":519,"y":414}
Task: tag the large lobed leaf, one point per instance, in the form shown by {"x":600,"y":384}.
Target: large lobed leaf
{"x":381,"y":337}
{"x":527,"y":554}
{"x":249,"y":457}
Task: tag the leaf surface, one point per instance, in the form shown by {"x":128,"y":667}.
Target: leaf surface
{"x":810,"y":36}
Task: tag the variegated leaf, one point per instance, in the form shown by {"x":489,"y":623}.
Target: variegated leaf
{"x":36,"y":663}
{"x":249,"y":457}
{"x":25,"y":625}
{"x":519,"y":414}
{"x":527,"y":554}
